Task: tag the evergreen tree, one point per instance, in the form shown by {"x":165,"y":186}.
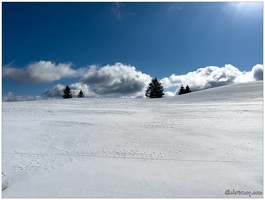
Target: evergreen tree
{"x":67,"y":93}
{"x":81,"y":95}
{"x":155,"y":89}
{"x":187,"y":90}
{"x":181,"y":90}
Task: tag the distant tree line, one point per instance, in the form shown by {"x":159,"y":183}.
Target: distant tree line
{"x":154,"y":90}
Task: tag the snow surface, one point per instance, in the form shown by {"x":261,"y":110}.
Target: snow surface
{"x":195,"y":145}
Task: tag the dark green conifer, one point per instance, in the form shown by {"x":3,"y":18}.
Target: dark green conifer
{"x":187,"y":90}
{"x":155,"y":89}
{"x":67,"y":93}
{"x":81,"y":94}
{"x":181,"y":90}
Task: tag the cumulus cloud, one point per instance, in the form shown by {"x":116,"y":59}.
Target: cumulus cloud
{"x":213,"y":76}
{"x":257,"y":72}
{"x":76,"y":87}
{"x":11,"y":97}
{"x":110,"y":79}
{"x":118,"y":78}
{"x":123,"y":79}
{"x":57,"y":90}
{"x":169,"y":94}
{"x":42,"y":71}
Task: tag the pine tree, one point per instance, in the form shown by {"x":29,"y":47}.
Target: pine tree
{"x":155,"y":89}
{"x":81,"y":94}
{"x":181,"y":90}
{"x":67,"y":93}
{"x":187,"y":90}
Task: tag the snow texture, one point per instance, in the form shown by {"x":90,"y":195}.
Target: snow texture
{"x":194,"y":145}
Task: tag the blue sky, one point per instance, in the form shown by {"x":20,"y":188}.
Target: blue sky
{"x":170,"y":41}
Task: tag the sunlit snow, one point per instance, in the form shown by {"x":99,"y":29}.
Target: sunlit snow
{"x":194,"y":145}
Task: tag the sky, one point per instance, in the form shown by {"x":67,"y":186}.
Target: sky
{"x":114,"y":49}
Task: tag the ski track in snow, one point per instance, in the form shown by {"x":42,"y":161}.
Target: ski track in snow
{"x":220,"y":125}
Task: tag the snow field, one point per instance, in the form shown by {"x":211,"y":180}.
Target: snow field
{"x":194,"y":145}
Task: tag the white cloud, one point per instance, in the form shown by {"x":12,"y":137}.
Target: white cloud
{"x":11,"y":97}
{"x":169,"y":94}
{"x":42,"y":71}
{"x":257,"y":72}
{"x":76,"y":87}
{"x":213,"y":76}
{"x":110,"y":79}
{"x":118,"y":78}
{"x":124,"y":80}
{"x":57,"y":90}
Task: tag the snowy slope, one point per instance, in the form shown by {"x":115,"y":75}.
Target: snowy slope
{"x":195,"y":145}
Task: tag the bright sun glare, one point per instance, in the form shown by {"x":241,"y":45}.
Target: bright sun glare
{"x":249,"y":8}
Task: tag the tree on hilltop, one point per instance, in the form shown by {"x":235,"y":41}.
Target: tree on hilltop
{"x":81,"y":94}
{"x":187,"y":90}
{"x":67,"y":93}
{"x":183,"y":90}
{"x":155,"y":89}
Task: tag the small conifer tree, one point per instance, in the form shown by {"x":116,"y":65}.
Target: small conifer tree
{"x":155,"y":89}
{"x":181,"y":90}
{"x":187,"y":90}
{"x":81,"y":94}
{"x":67,"y":93}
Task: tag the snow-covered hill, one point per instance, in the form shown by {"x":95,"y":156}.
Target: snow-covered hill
{"x":195,"y":145}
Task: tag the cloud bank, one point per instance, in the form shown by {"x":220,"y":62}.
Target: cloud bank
{"x":117,"y":78}
{"x":39,"y":72}
{"x":213,"y":76}
{"x":121,"y":79}
{"x":11,"y":97}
